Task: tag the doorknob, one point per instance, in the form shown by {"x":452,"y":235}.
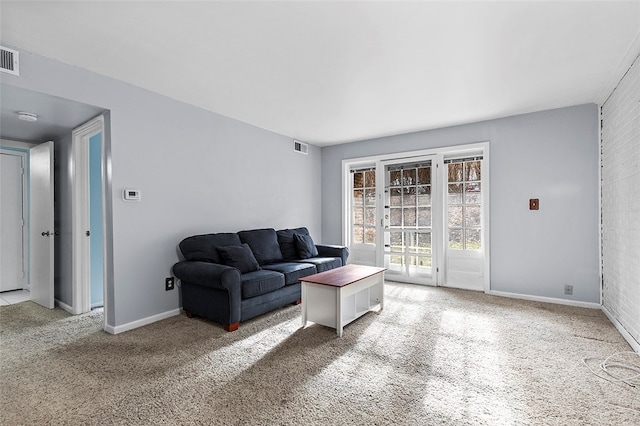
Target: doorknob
{"x":88,"y":233}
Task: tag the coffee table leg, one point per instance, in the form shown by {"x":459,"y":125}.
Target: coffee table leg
{"x":339,"y":311}
{"x":303,"y":294}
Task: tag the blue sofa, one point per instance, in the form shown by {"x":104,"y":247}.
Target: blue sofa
{"x":232,"y":277}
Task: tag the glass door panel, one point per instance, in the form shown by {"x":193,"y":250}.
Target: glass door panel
{"x":408,"y":254}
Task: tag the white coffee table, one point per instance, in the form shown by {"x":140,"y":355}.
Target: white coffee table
{"x":339,"y":296}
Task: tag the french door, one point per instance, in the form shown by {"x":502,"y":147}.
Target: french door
{"x":423,"y":217}
{"x":408,"y":230}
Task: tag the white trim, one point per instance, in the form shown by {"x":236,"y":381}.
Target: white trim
{"x":141,"y":322}
{"x":81,"y":295}
{"x":23,"y":153}
{"x":618,"y":73}
{"x":64,"y":306}
{"x":600,"y":269}
{"x":628,"y":337}
{"x":545,"y":299}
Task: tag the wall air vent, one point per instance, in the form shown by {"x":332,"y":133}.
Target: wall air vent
{"x":9,"y":61}
{"x":300,"y":147}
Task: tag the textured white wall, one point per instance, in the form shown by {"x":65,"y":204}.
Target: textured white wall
{"x":621,"y":202}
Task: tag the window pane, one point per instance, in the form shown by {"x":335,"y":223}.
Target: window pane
{"x":358,"y":180}
{"x":473,"y":194}
{"x":358,"y":197}
{"x":395,"y":178}
{"x":424,"y":175}
{"x":409,"y":197}
{"x":472,"y":216}
{"x":455,"y":216}
{"x":370,"y":197}
{"x":369,"y":235}
{"x":424,"y":262}
{"x":396,"y":260}
{"x":396,"y":196}
{"x":455,"y":239}
{"x":455,"y":193}
{"x":472,"y":239}
{"x":455,"y":172}
{"x":358,"y":216}
{"x":409,"y":216}
{"x":424,"y":216}
{"x":395,"y":217}
{"x":370,"y":216}
{"x":409,"y":177}
{"x":370,"y":179}
{"x":424,"y":243}
{"x":424,"y":195}
{"x":395,"y":240}
{"x":472,"y":170}
{"x":358,"y":235}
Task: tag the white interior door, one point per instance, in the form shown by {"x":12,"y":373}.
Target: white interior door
{"x":41,"y":224}
{"x":88,"y":216}
{"x":11,"y":222}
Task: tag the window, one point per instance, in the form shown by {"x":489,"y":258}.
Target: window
{"x":364,"y":206}
{"x":464,"y":208}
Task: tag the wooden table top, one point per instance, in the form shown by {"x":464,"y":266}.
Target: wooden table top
{"x":345,"y":275}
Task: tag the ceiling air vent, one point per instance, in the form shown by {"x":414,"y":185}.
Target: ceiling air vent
{"x":301,"y":147}
{"x":9,"y":61}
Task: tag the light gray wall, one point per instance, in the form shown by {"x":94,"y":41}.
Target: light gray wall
{"x":550,"y":155}
{"x":198,"y":172}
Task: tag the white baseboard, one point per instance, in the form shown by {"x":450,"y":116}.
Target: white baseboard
{"x":628,"y":337}
{"x":141,"y":322}
{"x":577,"y":303}
{"x":64,"y":306}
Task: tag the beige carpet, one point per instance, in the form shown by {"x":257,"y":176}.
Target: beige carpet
{"x":432,"y":356}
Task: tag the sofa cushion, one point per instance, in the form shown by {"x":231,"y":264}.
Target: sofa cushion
{"x":288,"y":243}
{"x":292,"y":271}
{"x":260,"y":282}
{"x":239,"y":257}
{"x":324,"y":263}
{"x":204,"y":247}
{"x":306,"y":247}
{"x":263,"y":243}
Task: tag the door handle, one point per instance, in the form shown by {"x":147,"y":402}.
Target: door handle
{"x":88,"y":233}
{"x":46,"y":233}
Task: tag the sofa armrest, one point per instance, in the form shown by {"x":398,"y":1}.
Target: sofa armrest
{"x":326,"y":250}
{"x":208,"y":274}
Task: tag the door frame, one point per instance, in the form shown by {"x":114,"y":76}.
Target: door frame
{"x":23,"y":153}
{"x":81,"y":282}
{"x":439,"y":153}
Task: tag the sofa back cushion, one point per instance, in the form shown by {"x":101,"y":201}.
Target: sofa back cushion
{"x":263,"y":243}
{"x":204,"y":247}
{"x":306,"y":246}
{"x":239,"y":257}
{"x":287,"y":242}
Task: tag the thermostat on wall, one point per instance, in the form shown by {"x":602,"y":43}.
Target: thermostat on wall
{"x":131,"y":195}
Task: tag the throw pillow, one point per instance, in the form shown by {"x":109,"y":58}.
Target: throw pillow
{"x":239,"y":257}
{"x":306,"y":247}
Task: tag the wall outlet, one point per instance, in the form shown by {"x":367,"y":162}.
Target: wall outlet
{"x":568,"y":289}
{"x":169,"y":283}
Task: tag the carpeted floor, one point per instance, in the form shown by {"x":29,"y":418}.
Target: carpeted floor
{"x":432,"y":356}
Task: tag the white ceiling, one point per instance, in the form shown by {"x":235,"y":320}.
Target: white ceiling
{"x":333,"y":72}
